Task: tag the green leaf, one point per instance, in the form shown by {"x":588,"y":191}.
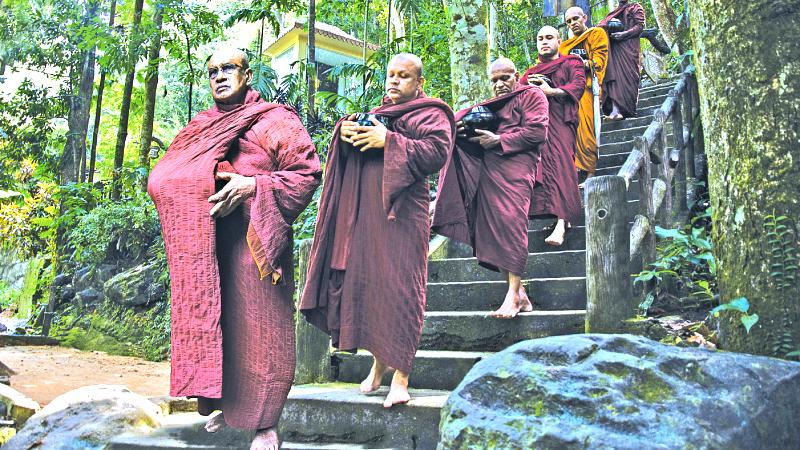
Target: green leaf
{"x":748,"y":321}
{"x":739,"y":304}
{"x":793,"y":354}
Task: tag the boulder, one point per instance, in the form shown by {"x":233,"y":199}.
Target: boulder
{"x":89,"y":296}
{"x":86,"y":418}
{"x":623,"y":392}
{"x":136,"y":286}
{"x":66,"y":293}
{"x":61,"y":279}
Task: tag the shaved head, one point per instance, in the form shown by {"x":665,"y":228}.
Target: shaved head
{"x":502,"y":64}
{"x":229,"y":75}
{"x":230,"y":54}
{"x":547,"y":42}
{"x":547,"y":29}
{"x":409,"y":57}
{"x":576,"y":19}
{"x":574,"y":10}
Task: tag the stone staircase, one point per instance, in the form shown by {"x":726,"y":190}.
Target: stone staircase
{"x":457,"y":332}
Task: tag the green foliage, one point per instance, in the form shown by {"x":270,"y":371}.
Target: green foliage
{"x":783,"y":249}
{"x":25,"y":298}
{"x":8,"y":295}
{"x":740,"y":305}
{"x":685,"y":257}
{"x":115,"y":231}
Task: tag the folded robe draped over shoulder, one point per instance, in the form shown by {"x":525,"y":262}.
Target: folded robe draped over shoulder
{"x":232,"y":329}
{"x":623,"y":74}
{"x":558,"y":194}
{"x":595,"y":42}
{"x":484,"y":195}
{"x":368,"y":266}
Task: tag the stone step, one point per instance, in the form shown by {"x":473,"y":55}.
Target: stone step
{"x":613,"y":125}
{"x":433,"y":369}
{"x":575,"y":240}
{"x":655,"y":90}
{"x":612,"y":159}
{"x":616,"y":147}
{"x":565,"y":263}
{"x":647,"y":111}
{"x":324,"y":417}
{"x":548,"y":294}
{"x":657,"y":100}
{"x":626,"y":134}
{"x":478,"y":331}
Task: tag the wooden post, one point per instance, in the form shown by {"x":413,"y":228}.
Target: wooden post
{"x":608,"y":276}
{"x":679,"y":181}
{"x":646,"y":209}
{"x":664,"y":214}
{"x":313,"y":347}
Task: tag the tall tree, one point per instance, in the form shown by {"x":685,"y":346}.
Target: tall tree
{"x":80,"y":104}
{"x":751,"y":125}
{"x":99,"y":105}
{"x":671,"y":29}
{"x":469,"y":51}
{"x":311,"y":70}
{"x":127,"y":93}
{"x":151,"y":85}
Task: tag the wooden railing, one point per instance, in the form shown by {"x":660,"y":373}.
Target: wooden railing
{"x":620,"y":242}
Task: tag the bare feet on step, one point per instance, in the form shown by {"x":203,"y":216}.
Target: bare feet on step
{"x":266,"y":440}
{"x":556,"y":238}
{"x":514,"y":303}
{"x":373,"y":380}
{"x":398,"y":392}
{"x":215,"y":423}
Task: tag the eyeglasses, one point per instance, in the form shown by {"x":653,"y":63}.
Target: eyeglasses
{"x":227,"y":69}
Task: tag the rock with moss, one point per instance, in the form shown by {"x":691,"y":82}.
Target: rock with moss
{"x":86,"y":418}
{"x":623,"y":392}
{"x":136,"y":286}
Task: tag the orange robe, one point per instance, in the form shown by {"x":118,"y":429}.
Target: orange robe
{"x":591,"y":45}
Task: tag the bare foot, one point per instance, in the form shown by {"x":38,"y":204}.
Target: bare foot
{"x":266,"y":440}
{"x":514,"y":303}
{"x":215,"y":423}
{"x":398,"y":392}
{"x":373,"y":381}
{"x":556,"y":238}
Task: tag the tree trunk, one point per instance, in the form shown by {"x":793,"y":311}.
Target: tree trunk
{"x":311,"y":70}
{"x":469,"y":51}
{"x":751,"y":134}
{"x":399,"y":24}
{"x":99,"y":105}
{"x":127,"y":93}
{"x":191,"y":72}
{"x":79,"y":107}
{"x":666,"y":18}
{"x":151,"y":85}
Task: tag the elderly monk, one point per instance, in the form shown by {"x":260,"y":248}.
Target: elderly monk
{"x":621,"y":86}
{"x":562,"y":79}
{"x":485,"y":189}
{"x":591,"y":45}
{"x":227,"y":191}
{"x":368,"y":265}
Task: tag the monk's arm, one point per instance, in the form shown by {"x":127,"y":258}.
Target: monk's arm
{"x":638,"y":25}
{"x":577,"y":80}
{"x":532,"y":131}
{"x":424,"y":150}
{"x":298,"y":171}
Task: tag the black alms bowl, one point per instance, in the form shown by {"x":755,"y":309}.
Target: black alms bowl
{"x":479,"y":117}
{"x":365,"y":119}
{"x":614,"y":26}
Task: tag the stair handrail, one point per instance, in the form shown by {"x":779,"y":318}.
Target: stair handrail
{"x":614,"y":249}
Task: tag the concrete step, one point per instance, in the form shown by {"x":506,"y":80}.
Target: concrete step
{"x":565,"y":263}
{"x":575,"y":240}
{"x":478,"y":331}
{"x":613,"y":125}
{"x":612,"y":159}
{"x":433,"y":369}
{"x":329,"y":416}
{"x":657,"y":100}
{"x":625,"y":134}
{"x":647,"y":111}
{"x":547,"y":294}
{"x":656,"y":90}
{"x":615,"y":147}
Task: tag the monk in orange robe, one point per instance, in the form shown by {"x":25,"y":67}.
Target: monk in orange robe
{"x":591,"y":44}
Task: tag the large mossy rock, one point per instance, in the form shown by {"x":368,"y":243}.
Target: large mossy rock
{"x":623,"y":392}
{"x":86,"y":418}
{"x":136,"y":286}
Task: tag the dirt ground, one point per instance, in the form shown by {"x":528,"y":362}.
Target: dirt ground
{"x":43,"y":373}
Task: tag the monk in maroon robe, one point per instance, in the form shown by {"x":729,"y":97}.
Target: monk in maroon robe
{"x":485,"y":188}
{"x":562,"y":79}
{"x":368,"y":265}
{"x":621,"y":85}
{"x":231,"y":267}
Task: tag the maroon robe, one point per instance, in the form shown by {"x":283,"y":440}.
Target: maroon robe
{"x":484,"y":195}
{"x":368,"y":265}
{"x":232,"y":329}
{"x":558,"y":194}
{"x":621,"y":84}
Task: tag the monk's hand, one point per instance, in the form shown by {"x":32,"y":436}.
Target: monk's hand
{"x":370,"y":137}
{"x":486,"y":139}
{"x":461,"y":129}
{"x":237,"y":190}
{"x":617,"y":36}
{"x":347,"y":130}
